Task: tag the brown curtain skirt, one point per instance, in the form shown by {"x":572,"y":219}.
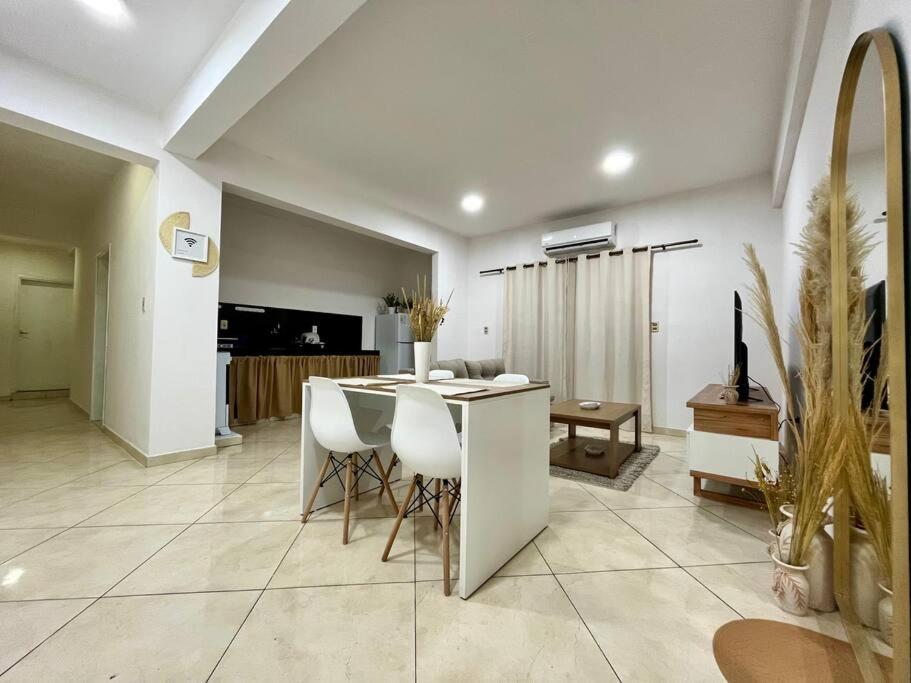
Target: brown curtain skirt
{"x":270,"y":386}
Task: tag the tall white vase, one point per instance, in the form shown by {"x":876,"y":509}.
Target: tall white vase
{"x":819,"y":561}
{"x":865,"y":593}
{"x":421,"y":361}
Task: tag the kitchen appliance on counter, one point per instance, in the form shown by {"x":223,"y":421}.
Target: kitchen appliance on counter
{"x":392,"y":338}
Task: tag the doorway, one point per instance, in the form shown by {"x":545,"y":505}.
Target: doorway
{"x":45,"y":335}
{"x":100,"y":334}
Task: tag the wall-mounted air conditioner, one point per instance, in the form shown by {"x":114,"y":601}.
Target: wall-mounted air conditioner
{"x":582,"y":240}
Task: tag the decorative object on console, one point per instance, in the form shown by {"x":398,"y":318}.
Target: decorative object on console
{"x":589,"y":405}
{"x":426,"y":316}
{"x":730,"y":392}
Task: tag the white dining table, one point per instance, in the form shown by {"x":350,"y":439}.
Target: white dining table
{"x":505,"y":463}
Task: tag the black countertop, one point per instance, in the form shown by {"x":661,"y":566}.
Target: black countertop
{"x":235,"y":353}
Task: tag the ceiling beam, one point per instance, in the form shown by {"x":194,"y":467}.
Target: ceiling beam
{"x":808,"y":34}
{"x":264,"y":42}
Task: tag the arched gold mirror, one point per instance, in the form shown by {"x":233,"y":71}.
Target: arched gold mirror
{"x":868,"y":355}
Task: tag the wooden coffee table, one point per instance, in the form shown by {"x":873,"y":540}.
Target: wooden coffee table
{"x":609,"y":416}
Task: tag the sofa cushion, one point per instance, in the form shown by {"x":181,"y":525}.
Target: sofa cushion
{"x":485,"y":369}
{"x":457,"y":365}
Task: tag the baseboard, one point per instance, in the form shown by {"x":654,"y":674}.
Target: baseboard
{"x":668,"y":431}
{"x":164,"y":458}
{"x":229,"y":440}
{"x":30,"y":395}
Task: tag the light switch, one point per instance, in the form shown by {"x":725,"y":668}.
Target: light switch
{"x":485,"y":329}
{"x":654,"y":327}
{"x":223,"y":324}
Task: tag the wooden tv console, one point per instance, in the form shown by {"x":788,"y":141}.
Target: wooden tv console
{"x":724,"y":440}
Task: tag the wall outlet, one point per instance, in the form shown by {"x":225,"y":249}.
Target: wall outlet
{"x":486,"y":330}
{"x":654,"y":327}
{"x":223,"y":324}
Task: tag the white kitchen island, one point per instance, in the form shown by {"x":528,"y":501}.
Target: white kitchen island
{"x":505,"y":465}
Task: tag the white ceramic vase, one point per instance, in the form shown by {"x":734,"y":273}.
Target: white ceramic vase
{"x":865,"y":593}
{"x":885,"y":614}
{"x":790,"y":586}
{"x":819,"y":561}
{"x":421,"y":361}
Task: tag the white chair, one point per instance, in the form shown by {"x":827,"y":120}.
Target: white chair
{"x":508,"y":378}
{"x":333,"y":428}
{"x":442,"y":374}
{"x":424,"y":438}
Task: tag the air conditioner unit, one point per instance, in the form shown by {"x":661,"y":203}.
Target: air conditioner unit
{"x":582,"y":240}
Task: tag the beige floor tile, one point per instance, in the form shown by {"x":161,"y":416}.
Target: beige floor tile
{"x":667,"y":444}
{"x":214,"y":557}
{"x":15,"y":541}
{"x":668,"y":464}
{"x":64,"y":506}
{"x":752,"y":521}
{"x":147,"y":638}
{"x":747,"y":588}
{"x":282,"y":470}
{"x":595,"y":541}
{"x":8,"y":496}
{"x":513,"y":628}
{"x":369,"y":505}
{"x":258,"y":503}
{"x":216,"y":471}
{"x":526,"y":562}
{"x":568,"y":496}
{"x":129,"y":473}
{"x":254,"y":450}
{"x":318,"y":557}
{"x":428,"y":550}
{"x":654,"y":625}
{"x":357,"y":633}
{"x":681,"y":484}
{"x":48,"y":474}
{"x":644,"y":493}
{"x":23,"y":625}
{"x":80,"y":563}
{"x":161,"y":504}
{"x":691,"y":536}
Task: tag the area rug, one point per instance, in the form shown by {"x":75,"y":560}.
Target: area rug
{"x":630,"y":470}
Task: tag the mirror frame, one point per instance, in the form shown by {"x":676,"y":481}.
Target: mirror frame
{"x":882,"y":41}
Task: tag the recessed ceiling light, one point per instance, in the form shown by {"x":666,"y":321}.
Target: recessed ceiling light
{"x":617,"y":162}
{"x":472,"y":202}
{"x":111,"y":10}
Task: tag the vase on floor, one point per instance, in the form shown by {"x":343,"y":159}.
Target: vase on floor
{"x":790,"y":586}
{"x":819,"y":560}
{"x":865,"y":576}
{"x":421,"y":361}
{"x":885,"y":612}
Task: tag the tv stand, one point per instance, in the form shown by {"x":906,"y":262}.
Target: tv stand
{"x":725,"y":438}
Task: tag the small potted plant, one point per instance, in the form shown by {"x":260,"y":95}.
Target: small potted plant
{"x":425,"y":316}
{"x":391,"y":300}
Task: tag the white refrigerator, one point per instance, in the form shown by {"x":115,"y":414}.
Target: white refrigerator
{"x":392,"y":338}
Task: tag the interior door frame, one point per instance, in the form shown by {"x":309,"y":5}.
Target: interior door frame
{"x":20,"y":281}
{"x":96,"y":412}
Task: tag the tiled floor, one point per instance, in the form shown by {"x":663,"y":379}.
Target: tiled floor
{"x":199,"y":570}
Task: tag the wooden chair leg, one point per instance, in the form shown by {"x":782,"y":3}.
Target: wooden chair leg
{"x":375,"y":459}
{"x":400,"y":517}
{"x":444,"y":509}
{"x":388,"y":472}
{"x":357,"y":481}
{"x":349,"y":476}
{"x":316,"y":488}
{"x":436,"y":503}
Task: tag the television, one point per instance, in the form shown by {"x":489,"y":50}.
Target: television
{"x":740,"y":352}
{"x":876,"y":324}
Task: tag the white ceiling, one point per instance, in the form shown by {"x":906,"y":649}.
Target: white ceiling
{"x":144,"y":59}
{"x":423,"y":101}
{"x":38,"y":171}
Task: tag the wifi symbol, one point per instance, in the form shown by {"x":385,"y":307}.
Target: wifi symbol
{"x":190,"y":241}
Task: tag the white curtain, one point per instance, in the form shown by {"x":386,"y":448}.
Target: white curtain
{"x":538,"y":324}
{"x":583,"y":326}
{"x":612,"y":355}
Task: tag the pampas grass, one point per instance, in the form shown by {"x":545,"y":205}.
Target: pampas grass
{"x":424,"y":314}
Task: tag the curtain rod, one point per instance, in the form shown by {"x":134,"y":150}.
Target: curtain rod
{"x":669,"y":246}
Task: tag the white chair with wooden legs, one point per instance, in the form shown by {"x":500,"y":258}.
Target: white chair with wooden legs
{"x":508,"y":378}
{"x":424,"y":438}
{"x":333,"y":428}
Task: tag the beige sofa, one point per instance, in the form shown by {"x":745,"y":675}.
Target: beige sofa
{"x":471,"y":369}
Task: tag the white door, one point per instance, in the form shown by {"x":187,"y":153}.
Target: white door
{"x":45,"y":336}
{"x":99,"y":350}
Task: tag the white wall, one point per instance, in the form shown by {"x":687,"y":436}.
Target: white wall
{"x":276,"y":258}
{"x":692,"y":290}
{"x":847,"y":19}
{"x":124,"y":220}
{"x":33,"y":261}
